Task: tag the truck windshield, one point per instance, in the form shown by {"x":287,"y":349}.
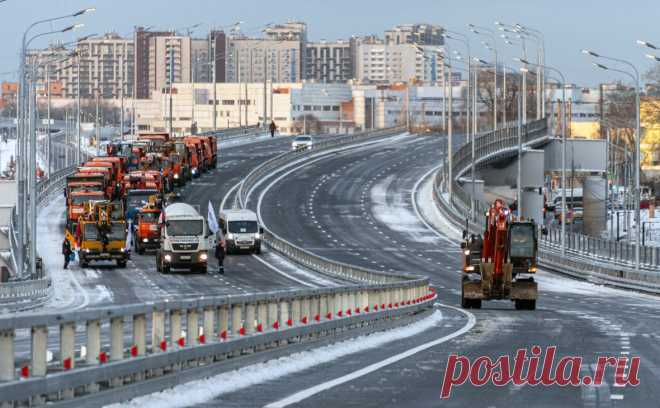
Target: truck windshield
{"x":522,"y":241}
{"x":118,"y":232}
{"x":243,"y":227}
{"x":187,"y":227}
{"x":82,"y":199}
{"x":149,"y":216}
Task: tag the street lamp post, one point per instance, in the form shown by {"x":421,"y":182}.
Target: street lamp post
{"x":482,"y":31}
{"x":636,"y":78}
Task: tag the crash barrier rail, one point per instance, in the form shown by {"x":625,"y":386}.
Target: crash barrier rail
{"x":149,"y":349}
{"x":609,"y":250}
{"x":300,"y":255}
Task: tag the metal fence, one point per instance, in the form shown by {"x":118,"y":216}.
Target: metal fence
{"x":157,"y":352}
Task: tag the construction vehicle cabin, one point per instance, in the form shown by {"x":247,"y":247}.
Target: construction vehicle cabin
{"x":501,"y":263}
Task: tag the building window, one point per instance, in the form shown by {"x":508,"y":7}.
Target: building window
{"x":228,"y":101}
{"x":327,"y":108}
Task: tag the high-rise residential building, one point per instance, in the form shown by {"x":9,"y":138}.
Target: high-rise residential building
{"x":256,"y":60}
{"x":106,"y":67}
{"x":218,"y":55}
{"x":421,"y":34}
{"x":329,"y":61}
{"x":173,"y":59}
{"x":389,"y":63}
{"x":142,"y":57}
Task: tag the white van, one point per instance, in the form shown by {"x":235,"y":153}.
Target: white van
{"x":184,"y":240}
{"x":242,"y":230}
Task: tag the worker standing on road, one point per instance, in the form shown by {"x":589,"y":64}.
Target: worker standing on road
{"x":273,"y":128}
{"x":220,"y":252}
{"x":66,"y":251}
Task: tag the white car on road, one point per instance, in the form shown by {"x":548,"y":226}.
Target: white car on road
{"x":302,"y":143}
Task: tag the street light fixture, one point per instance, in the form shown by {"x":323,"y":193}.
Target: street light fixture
{"x":653,"y":57}
{"x":647,"y":44}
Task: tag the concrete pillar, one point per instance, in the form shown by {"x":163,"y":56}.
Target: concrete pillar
{"x":262,"y":315}
{"x":250,"y":311}
{"x":223,"y":319}
{"x":296,"y":311}
{"x":338,"y":300}
{"x":305,"y":309}
{"x":323,"y":306}
{"x":39,"y":350}
{"x":140,"y":333}
{"x":175,"y":328}
{"x":7,"y":355}
{"x":236,"y":319}
{"x":157,"y":330}
{"x":68,"y":344}
{"x":209,"y":323}
{"x":272,"y":314}
{"x":284,"y":313}
{"x":192,"y":327}
{"x":317,"y":306}
{"x":116,"y":338}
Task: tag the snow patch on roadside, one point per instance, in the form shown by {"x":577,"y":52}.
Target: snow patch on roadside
{"x":200,"y":391}
{"x":283,"y":264}
{"x":390,"y":208}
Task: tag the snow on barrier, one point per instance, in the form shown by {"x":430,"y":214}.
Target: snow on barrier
{"x":593,"y":259}
{"x":157,"y":352}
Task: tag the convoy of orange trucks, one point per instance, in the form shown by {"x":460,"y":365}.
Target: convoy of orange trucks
{"x":127,"y":188}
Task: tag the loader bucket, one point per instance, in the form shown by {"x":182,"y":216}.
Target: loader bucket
{"x":472,"y":290}
{"x":508,"y":276}
{"x":487,"y":269}
{"x":524,"y":289}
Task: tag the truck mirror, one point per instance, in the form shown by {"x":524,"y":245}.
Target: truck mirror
{"x":465,"y":234}
{"x":463,"y":245}
{"x":261,"y":230}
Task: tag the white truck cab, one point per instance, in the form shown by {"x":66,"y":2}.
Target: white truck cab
{"x":185,"y":240}
{"x":241,"y":230}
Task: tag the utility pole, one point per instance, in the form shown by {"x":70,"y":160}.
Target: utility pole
{"x":121,"y":93}
{"x":79,"y":153}
{"x":450,"y":145}
{"x":97,"y":125}
{"x":170,"y":128}
{"x":265,"y":91}
{"x":519,"y":182}
{"x":475,"y":127}
{"x":49,"y":145}
{"x":215,"y":86}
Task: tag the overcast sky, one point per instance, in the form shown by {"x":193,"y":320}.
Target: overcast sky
{"x":607,"y":26}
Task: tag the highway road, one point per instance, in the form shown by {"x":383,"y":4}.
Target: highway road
{"x":358,"y":207}
{"x":139,"y":282}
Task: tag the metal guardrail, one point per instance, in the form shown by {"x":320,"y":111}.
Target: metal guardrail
{"x":231,"y":327}
{"x":156,"y":349}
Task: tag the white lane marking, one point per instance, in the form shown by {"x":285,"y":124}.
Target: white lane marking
{"x":226,"y":197}
{"x":413,"y":196}
{"x":618,"y":397}
{"x":286,"y":275}
{"x":304,"y":394}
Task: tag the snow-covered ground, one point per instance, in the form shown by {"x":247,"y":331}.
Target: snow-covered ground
{"x":198,"y":392}
{"x":7,"y":152}
{"x":68,"y":292}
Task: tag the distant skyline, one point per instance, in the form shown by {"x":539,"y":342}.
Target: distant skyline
{"x":606,"y":26}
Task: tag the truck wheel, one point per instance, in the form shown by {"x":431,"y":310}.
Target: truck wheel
{"x":476,"y":303}
{"x":465,"y":303}
{"x":202,"y":270}
{"x":524,"y":304}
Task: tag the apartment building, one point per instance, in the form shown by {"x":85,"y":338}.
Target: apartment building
{"x":328,"y":61}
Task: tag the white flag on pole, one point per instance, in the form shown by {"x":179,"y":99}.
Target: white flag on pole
{"x":212,"y":220}
{"x":129,"y":236}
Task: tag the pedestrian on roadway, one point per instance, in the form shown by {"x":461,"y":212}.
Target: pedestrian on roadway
{"x":273,"y":128}
{"x":66,"y":252}
{"x":220,"y":251}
